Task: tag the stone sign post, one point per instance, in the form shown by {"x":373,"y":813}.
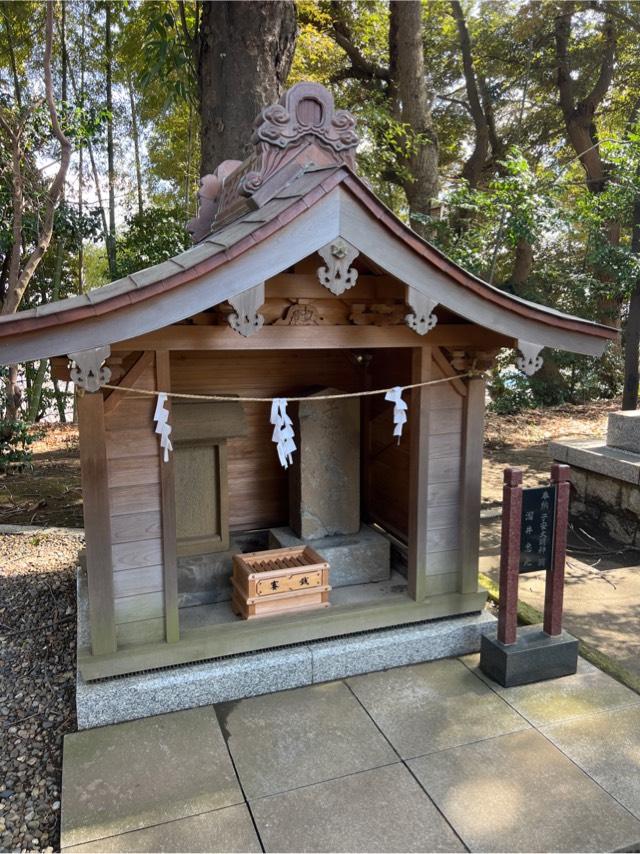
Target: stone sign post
{"x":534,"y":538}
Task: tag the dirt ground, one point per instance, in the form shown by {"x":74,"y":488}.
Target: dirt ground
{"x":47,"y":492}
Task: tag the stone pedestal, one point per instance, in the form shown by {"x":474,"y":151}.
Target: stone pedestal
{"x":204,"y":579}
{"x":605,"y":479}
{"x":534,"y":656}
{"x":324,"y":484}
{"x":623,"y":431}
{"x":353,"y":558}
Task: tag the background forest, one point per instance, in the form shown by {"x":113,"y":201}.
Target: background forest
{"x":507,"y":133}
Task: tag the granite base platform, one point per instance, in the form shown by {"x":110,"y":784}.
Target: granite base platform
{"x":534,"y":657}
{"x":140,"y":695}
{"x":353,"y":558}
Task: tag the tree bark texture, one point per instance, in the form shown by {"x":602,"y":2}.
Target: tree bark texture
{"x":412,"y":102}
{"x":111,"y":242}
{"x":245,"y":53}
{"x":632,"y":330}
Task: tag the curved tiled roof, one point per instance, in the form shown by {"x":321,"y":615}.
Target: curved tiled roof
{"x":254,"y":226}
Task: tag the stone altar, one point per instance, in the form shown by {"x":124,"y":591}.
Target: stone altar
{"x":605,"y":478}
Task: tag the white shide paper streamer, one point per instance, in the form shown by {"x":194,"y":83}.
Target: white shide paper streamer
{"x":163,"y":428}
{"x":399,"y":410}
{"x":282,"y":431}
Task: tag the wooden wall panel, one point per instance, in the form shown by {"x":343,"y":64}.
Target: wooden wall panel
{"x":258,"y":486}
{"x":136,"y":522}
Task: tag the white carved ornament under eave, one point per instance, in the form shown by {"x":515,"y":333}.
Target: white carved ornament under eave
{"x":422,"y":320}
{"x":338,"y":275}
{"x":88,"y":371}
{"x":246,"y":320}
{"x":529,"y":361}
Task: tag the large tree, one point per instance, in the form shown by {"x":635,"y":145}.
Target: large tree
{"x":242,"y":53}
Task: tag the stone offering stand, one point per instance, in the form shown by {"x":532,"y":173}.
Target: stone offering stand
{"x":605,"y":478}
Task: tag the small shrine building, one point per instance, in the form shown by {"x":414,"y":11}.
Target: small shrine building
{"x":300,"y":283}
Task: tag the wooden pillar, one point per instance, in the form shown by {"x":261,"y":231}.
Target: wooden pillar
{"x":419,"y":474}
{"x":168,"y":505}
{"x":97,"y":522}
{"x":510,"y":555}
{"x":471,"y":485}
{"x":554,"y":585}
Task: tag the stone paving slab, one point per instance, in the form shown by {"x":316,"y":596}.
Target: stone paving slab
{"x":137,"y":774}
{"x":380,"y":810}
{"x":518,"y":792}
{"x":428,"y":707}
{"x":607,"y":747}
{"x":295,"y":738}
{"x":545,"y":703}
{"x":229,"y":829}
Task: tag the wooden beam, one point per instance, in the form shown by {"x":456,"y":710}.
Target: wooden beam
{"x":97,"y":522}
{"x":419,"y":474}
{"x":184,"y":337}
{"x":472,"y":450}
{"x":447,"y":369}
{"x":129,"y":379}
{"x":168,"y":510}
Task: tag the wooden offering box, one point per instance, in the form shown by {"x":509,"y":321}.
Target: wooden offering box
{"x":279,"y":580}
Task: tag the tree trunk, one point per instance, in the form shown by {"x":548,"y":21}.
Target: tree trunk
{"x":136,"y":144}
{"x":35,"y":392}
{"x":60,"y":401}
{"x":474,"y":165}
{"x":245,"y":52}
{"x":111,"y":242}
{"x":632,"y":331}
{"x":412,"y":105}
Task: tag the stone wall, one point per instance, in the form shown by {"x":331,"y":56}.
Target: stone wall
{"x":611,"y":504}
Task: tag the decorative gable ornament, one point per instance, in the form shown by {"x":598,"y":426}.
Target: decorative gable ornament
{"x":88,"y":371}
{"x":422,"y":320}
{"x":302,"y":130}
{"x":246,"y":320}
{"x":529,"y":361}
{"x":338,"y":275}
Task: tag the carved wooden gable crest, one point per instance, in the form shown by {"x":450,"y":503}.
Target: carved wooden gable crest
{"x":304,"y":128}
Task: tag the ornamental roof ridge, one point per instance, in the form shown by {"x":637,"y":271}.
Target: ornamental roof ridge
{"x":302,"y":130}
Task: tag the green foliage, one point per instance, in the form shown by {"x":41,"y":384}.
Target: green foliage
{"x":16,"y":439}
{"x":150,"y":239}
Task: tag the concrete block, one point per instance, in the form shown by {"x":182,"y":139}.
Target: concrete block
{"x":596,"y":457}
{"x":145,"y":694}
{"x":578,"y":483}
{"x":623,"y":431}
{"x":630,"y":499}
{"x":534,"y":656}
{"x":351,"y":656}
{"x":324,"y":481}
{"x":604,"y":490}
{"x":203,"y":579}
{"x":354,"y":559}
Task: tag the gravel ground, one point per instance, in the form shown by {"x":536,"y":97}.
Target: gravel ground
{"x":37,"y":683}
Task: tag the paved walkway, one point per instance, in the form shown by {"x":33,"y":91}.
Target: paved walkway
{"x":431,"y":757}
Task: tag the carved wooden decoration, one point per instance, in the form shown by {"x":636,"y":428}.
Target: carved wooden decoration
{"x":88,"y":371}
{"x":338,"y":275}
{"x":300,"y":313}
{"x":530,"y":360}
{"x":422,"y":320}
{"x":378,"y":314}
{"x":303,"y":128}
{"x":246,"y":320}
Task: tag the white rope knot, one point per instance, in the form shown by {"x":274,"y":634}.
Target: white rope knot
{"x":399,"y":410}
{"x":282,"y":431}
{"x":163,"y":428}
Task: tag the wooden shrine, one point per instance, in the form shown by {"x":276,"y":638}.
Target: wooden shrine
{"x":299,"y":280}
